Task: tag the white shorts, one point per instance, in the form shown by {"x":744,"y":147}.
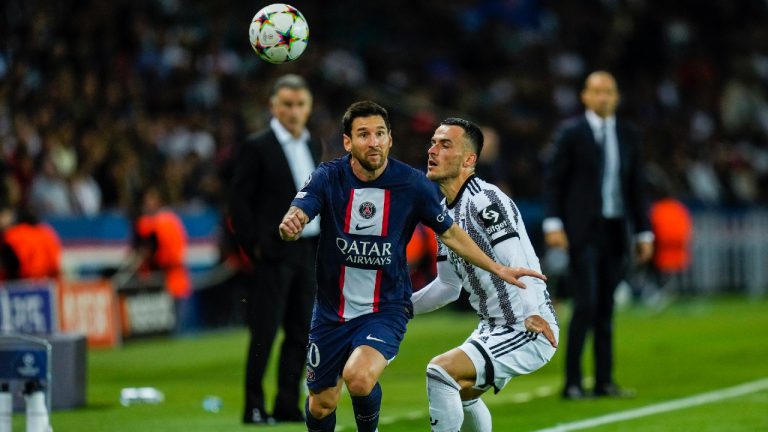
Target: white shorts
{"x":502,"y":353}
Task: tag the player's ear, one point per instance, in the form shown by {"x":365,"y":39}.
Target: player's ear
{"x":470,"y":160}
{"x":347,"y":143}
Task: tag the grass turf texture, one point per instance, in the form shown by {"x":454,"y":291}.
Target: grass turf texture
{"x":684,"y":350}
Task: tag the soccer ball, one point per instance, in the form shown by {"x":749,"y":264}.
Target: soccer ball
{"x":279,"y":33}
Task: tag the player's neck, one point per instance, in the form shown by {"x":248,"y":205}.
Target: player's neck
{"x":364,"y":174}
{"x":451,"y":187}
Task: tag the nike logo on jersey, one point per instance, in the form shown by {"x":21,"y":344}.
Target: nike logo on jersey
{"x":369,"y":337}
{"x":359,"y":228}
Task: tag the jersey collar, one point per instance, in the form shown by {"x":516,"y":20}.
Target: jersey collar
{"x":461,"y":191}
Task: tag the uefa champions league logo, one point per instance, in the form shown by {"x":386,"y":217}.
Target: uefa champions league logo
{"x":367,"y":210}
{"x":28,"y":367}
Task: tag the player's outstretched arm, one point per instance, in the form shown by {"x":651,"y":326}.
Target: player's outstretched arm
{"x":460,"y":242}
{"x":537,"y":324}
{"x":443,"y":290}
{"x":293,"y":224}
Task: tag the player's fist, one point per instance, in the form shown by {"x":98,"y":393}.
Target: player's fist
{"x":293,"y":224}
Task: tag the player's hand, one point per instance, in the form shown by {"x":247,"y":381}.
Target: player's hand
{"x":537,"y":324}
{"x":512,"y":275}
{"x":556,"y":239}
{"x":293,"y":224}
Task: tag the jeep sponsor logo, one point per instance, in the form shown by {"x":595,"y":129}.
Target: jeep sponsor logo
{"x":493,"y":220}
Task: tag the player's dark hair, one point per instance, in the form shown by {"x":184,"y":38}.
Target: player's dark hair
{"x":290,"y":81}
{"x":472,"y":132}
{"x":363,"y":109}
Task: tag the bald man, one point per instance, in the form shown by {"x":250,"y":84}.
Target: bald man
{"x":594,"y":196}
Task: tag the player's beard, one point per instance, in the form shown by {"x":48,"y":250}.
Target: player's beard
{"x":449,"y":172}
{"x":362,"y":159}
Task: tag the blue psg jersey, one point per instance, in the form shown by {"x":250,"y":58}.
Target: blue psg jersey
{"x":365,"y":227}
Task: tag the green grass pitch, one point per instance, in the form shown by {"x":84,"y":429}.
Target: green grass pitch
{"x":687,"y":349}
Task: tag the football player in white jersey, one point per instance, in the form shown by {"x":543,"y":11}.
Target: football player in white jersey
{"x":518,"y":331}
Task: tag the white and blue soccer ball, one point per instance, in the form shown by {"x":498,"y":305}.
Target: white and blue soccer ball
{"x":279,"y":33}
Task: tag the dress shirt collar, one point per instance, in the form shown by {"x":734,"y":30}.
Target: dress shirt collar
{"x":596,"y":122}
{"x":283,"y":135}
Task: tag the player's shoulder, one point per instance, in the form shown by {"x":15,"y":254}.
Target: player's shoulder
{"x":333,"y":166}
{"x":402,"y":173}
{"x":484,"y":195}
{"x":323,"y":176}
{"x":403,"y":169}
{"x":481,"y":193}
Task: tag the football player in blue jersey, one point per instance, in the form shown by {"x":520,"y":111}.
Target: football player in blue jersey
{"x":369,"y":205}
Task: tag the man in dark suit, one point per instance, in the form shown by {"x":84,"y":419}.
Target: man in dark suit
{"x":270,"y":168}
{"x":594,"y":198}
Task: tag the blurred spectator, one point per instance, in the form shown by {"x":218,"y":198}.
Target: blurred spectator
{"x":160,"y":245}
{"x":49,"y":191}
{"x":155,"y":82}
{"x":85,"y":194}
{"x":673,"y":227}
{"x":421,"y":253}
{"x":30,"y":249}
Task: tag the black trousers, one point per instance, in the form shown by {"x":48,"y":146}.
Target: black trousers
{"x":596,"y":268}
{"x":281,"y":294}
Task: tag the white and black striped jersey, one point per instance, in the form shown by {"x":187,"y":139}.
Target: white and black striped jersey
{"x":493,"y":221}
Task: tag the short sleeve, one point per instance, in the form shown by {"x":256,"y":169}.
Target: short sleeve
{"x":431,"y":212}
{"x":499,"y":221}
{"x":312,"y":195}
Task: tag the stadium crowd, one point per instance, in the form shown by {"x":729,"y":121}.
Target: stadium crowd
{"x":99,"y":99}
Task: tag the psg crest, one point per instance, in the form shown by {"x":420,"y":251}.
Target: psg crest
{"x":367,"y":210}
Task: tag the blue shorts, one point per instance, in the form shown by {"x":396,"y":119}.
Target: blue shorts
{"x":331,"y":344}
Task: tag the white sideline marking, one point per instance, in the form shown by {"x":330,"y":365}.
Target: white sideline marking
{"x":673,"y":405}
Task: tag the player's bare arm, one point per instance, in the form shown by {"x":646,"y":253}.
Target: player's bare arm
{"x":460,"y":242}
{"x":293,"y":224}
{"x":537,"y":324}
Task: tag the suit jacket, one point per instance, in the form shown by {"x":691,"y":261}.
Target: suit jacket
{"x":574,"y":174}
{"x":261,"y":191}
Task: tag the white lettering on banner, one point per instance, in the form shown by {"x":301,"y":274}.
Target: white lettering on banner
{"x":87,"y":312}
{"x":28,"y":314}
{"x":150,"y":312}
{"x":5,"y":311}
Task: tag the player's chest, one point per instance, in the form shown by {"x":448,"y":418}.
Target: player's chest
{"x":372,"y":211}
{"x":460,"y":215}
